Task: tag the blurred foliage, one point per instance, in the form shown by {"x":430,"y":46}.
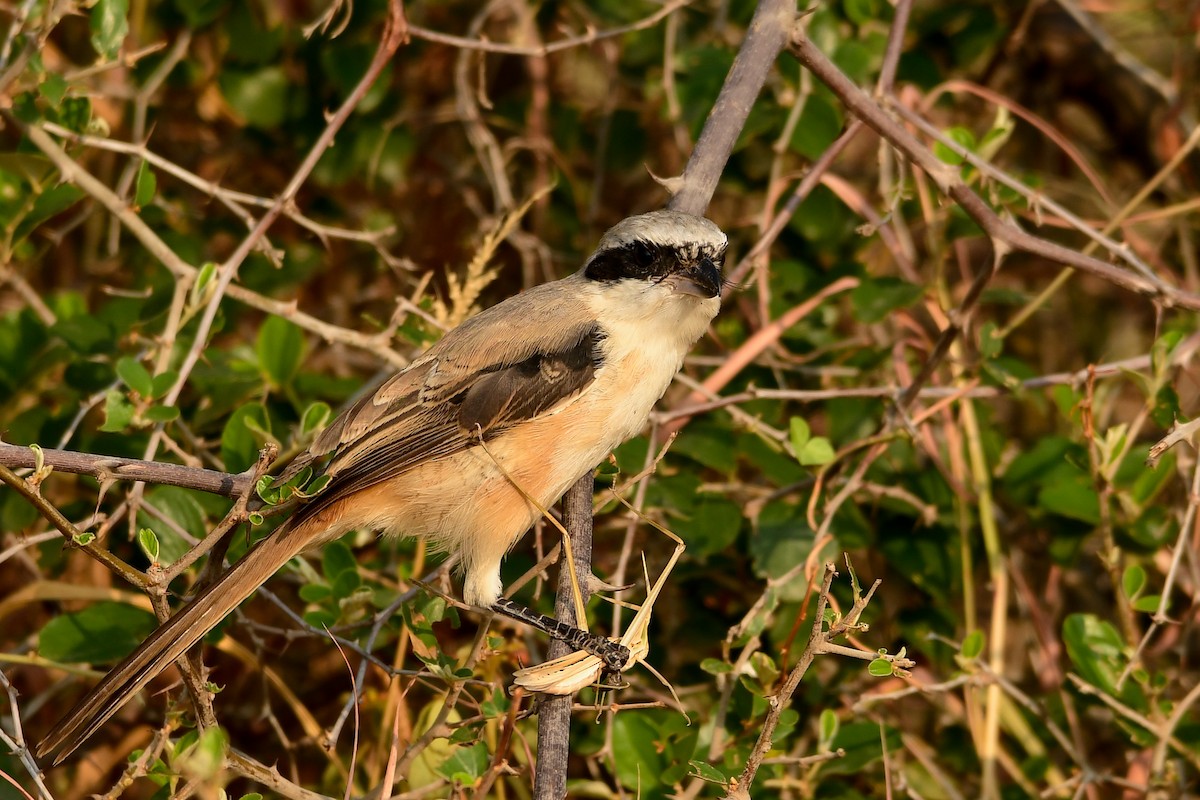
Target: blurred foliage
{"x":1017,"y":529}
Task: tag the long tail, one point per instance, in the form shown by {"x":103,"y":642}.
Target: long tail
{"x":170,"y":641}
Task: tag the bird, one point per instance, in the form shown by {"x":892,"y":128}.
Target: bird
{"x":466,"y":445}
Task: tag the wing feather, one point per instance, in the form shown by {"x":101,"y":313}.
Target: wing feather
{"x":492,"y":372}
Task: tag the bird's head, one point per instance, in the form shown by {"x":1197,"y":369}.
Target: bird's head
{"x":678,"y":252}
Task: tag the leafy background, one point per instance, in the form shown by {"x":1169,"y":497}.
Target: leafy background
{"x":1041,"y":575}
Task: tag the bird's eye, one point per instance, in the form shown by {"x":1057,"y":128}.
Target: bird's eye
{"x":643,"y":254}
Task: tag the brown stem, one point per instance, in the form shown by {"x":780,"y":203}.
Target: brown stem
{"x":554,"y":713}
{"x":764,"y":40}
{"x":110,"y":468}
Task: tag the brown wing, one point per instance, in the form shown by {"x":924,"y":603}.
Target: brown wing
{"x":509,"y":364}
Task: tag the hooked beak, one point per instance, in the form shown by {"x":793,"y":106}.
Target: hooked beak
{"x":702,"y":279}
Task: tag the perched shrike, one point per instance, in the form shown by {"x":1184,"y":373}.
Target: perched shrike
{"x":500,"y":417}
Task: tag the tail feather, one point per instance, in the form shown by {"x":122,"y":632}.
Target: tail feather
{"x":169,"y":642}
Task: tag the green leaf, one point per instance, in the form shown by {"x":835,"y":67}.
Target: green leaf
{"x":715,"y":666}
{"x":259,"y":97}
{"x":163,"y":382}
{"x":765,"y":669}
{"x":799,"y":433}
{"x":315,"y":593}
{"x":53,"y":88}
{"x":239,"y":445}
{"x":314,"y":418}
{"x":880,"y":668}
{"x":346,"y":584}
{"x":207,"y":758}
{"x":1148,"y":604}
{"x":817,"y":451}
{"x":636,"y":752}
{"x":146,"y":185}
{"x":118,"y":412}
{"x":875,"y":298}
{"x":280,"y":349}
{"x":861,"y":12}
{"x":181,"y":506}
{"x":1096,"y":650}
{"x":956,"y":134}
{"x":1073,"y":497}
{"x":990,"y":345}
{"x":465,"y":764}
{"x":49,"y":203}
{"x":204,"y":277}
{"x":100,"y":633}
{"x":336,"y":559}
{"x":135,"y":376}
{"x":863,"y":745}
{"x":1133,"y":581}
{"x":827,"y":725}
{"x":162,"y":413}
{"x":149,"y":544}
{"x":711,"y":526}
{"x":972,"y":645}
{"x":109,"y":25}
{"x":707,"y":772}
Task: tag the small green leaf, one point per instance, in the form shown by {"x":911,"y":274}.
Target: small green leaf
{"x":764,"y":668}
{"x":497,"y":705}
{"x":239,"y":445}
{"x":707,"y":772}
{"x":336,"y":559}
{"x":259,"y":97}
{"x":637,"y":756}
{"x":1160,"y":351}
{"x":990,"y":345}
{"x":100,"y":633}
{"x":83,"y":539}
{"x":827,"y":725}
{"x":207,"y":758}
{"x":861,"y":12}
{"x":53,"y":88}
{"x":110,"y":24}
{"x":465,"y":764}
{"x":799,"y":433}
{"x":1096,"y":649}
{"x":710,"y":526}
{"x":163,"y":382}
{"x":315,"y":417}
{"x":146,"y":185}
{"x":149,"y":544}
{"x":315,"y":593}
{"x":266,"y":490}
{"x":880,"y":668}
{"x":162,"y":413}
{"x":715,"y":666}
{"x":280,"y":349}
{"x":135,"y":376}
{"x":1073,"y":497}
{"x":315,"y":488}
{"x":256,"y":518}
{"x":960,"y":135}
{"x":118,"y":412}
{"x":972,"y":645}
{"x":1147,"y":604}
{"x":817,"y":451}
{"x":1134,"y":580}
{"x":204,"y":276}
